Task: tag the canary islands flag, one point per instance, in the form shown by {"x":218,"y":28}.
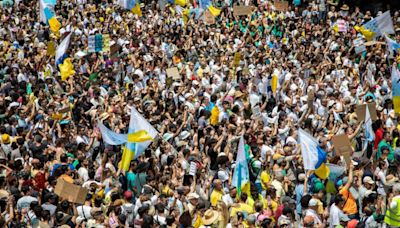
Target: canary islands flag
{"x":132,"y":5}
{"x":396,"y":89}
{"x":207,"y":4}
{"x":241,"y":178}
{"x":378,"y":26}
{"x":314,"y":158}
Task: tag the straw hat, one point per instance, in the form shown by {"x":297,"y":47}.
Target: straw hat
{"x":333,"y":3}
{"x":345,"y":7}
{"x":210,"y":217}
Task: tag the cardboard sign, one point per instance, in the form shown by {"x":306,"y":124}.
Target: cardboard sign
{"x":373,"y":42}
{"x":173,"y":73}
{"x":209,"y":18}
{"x":51,"y":49}
{"x":281,"y":5}
{"x":361,"y":109}
{"x":236,"y":59}
{"x":342,"y":146}
{"x":64,"y":110}
{"x":242,"y":10}
{"x":114,"y":49}
{"x":71,"y":192}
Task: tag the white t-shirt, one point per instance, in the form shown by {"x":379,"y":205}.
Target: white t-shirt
{"x":334,"y":216}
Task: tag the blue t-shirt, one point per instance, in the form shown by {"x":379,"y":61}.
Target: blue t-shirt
{"x":71,"y":167}
{"x":299,"y":190}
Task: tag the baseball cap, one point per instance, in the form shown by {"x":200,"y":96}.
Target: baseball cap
{"x":368,"y":180}
{"x":313,"y":202}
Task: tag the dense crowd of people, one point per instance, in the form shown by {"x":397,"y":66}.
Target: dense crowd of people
{"x":48,"y":125}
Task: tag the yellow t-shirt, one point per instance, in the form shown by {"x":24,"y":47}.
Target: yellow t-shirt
{"x":250,"y":201}
{"x":242,"y":207}
{"x":215,"y":197}
{"x":265,"y":178}
{"x":350,"y":207}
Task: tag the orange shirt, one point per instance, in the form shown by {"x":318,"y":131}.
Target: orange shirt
{"x":350,"y":206}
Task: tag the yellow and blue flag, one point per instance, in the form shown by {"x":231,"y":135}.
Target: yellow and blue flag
{"x":314,"y":157}
{"x":207,"y":4}
{"x":132,"y":5}
{"x":178,"y":2}
{"x":378,"y":26}
{"x":140,"y":134}
{"x":396,"y":89}
{"x":47,"y":15}
{"x":241,"y":177}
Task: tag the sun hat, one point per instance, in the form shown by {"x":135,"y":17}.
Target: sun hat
{"x":210,"y":216}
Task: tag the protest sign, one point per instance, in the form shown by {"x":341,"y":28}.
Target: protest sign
{"x":173,"y":73}
{"x":342,"y":146}
{"x":236,"y":59}
{"x":193,"y":168}
{"x":360,"y":49}
{"x":281,"y":5}
{"x":361,"y":109}
{"x":71,"y":192}
{"x":256,"y":111}
{"x":338,"y":73}
{"x":242,"y":10}
{"x":209,"y":18}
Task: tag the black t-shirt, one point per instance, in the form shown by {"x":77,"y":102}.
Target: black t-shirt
{"x":213,"y":157}
{"x":37,"y":150}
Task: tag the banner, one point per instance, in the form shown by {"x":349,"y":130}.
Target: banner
{"x":396,"y":89}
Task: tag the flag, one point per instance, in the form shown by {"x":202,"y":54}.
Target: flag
{"x":392,"y":45}
{"x":136,"y":9}
{"x":314,"y":158}
{"x":378,"y":26}
{"x":62,"y":49}
{"x":66,"y":69}
{"x":132,"y":5}
{"x":110,"y":137}
{"x":214,"y":119}
{"x":114,"y":138}
{"x":396,"y":89}
{"x":55,"y":25}
{"x":369,"y":133}
{"x":241,"y":173}
{"x":274,"y":83}
{"x":138,"y":123}
{"x":207,"y":4}
{"x":180,"y":2}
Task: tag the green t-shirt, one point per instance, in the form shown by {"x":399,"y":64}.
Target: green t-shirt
{"x":382,"y":144}
{"x":131,"y":178}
